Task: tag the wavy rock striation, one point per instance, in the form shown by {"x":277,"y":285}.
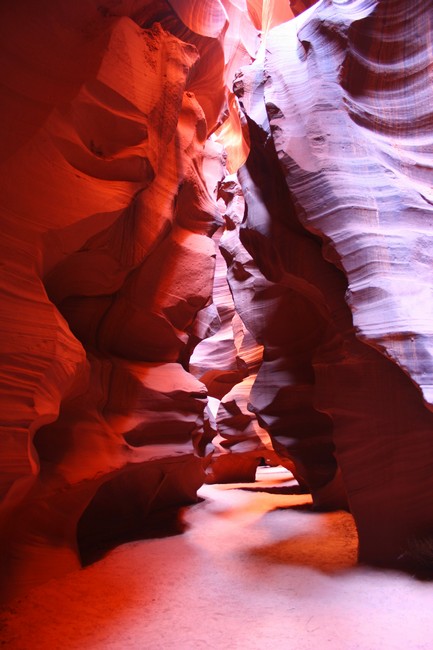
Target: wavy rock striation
{"x":343,"y":93}
{"x":108,"y":272}
{"x":112,"y":204}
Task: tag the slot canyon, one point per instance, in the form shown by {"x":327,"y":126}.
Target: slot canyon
{"x":217,"y":262}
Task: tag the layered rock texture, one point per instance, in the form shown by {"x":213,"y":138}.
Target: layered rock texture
{"x":119,"y":132}
{"x":107,"y":278}
{"x":339,"y":106}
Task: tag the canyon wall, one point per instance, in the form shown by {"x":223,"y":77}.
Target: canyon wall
{"x":108,"y":267}
{"x":198,"y":281}
{"x":339,"y":108}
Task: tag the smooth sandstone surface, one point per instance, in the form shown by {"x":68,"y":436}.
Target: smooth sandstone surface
{"x":107,"y":262}
{"x":340,"y":97}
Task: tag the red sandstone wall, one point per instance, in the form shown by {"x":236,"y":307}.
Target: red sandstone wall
{"x":107,"y":274}
{"x":111,"y":192}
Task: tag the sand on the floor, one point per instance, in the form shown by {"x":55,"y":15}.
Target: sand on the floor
{"x":255,"y":568}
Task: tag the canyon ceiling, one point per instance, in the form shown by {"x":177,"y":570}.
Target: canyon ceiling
{"x":217,"y":250}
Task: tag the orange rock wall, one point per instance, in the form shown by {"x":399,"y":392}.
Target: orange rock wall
{"x":114,"y":197}
{"x":107,"y":276}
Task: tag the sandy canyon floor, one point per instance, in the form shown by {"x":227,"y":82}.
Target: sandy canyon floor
{"x":255,"y":568}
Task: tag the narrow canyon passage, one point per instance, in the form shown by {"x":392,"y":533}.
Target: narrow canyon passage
{"x":255,"y":568}
{"x":216,"y":258}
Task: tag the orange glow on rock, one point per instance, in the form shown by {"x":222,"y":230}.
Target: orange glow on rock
{"x":246,"y":19}
{"x":234,"y":137}
{"x":266,"y":14}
